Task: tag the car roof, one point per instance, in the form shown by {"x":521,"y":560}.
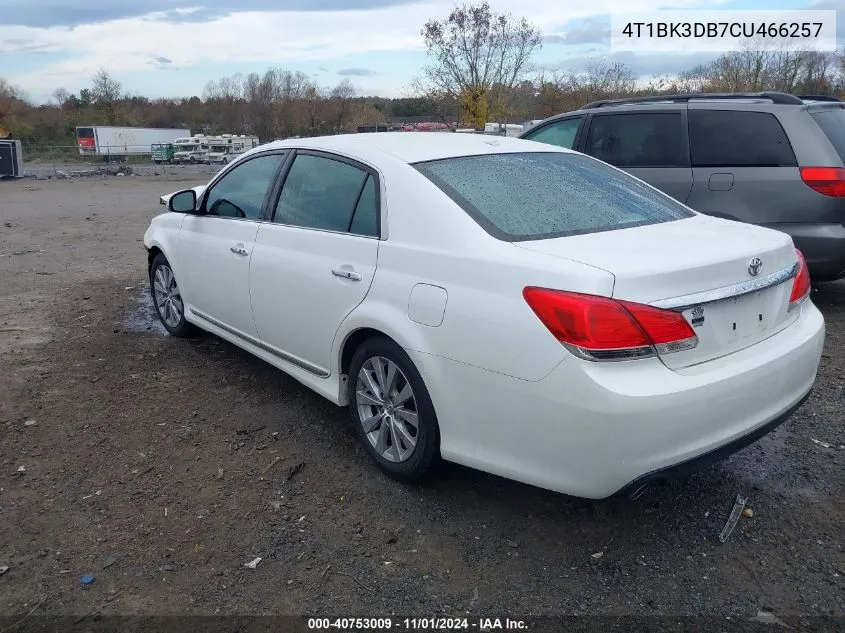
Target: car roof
{"x":413,"y":147}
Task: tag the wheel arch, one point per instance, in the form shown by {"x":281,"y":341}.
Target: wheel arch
{"x":152,"y":252}
{"x":368,"y":321}
{"x":353,"y":341}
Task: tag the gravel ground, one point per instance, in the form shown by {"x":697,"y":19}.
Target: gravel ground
{"x":162,"y":466}
{"x":48,"y":169}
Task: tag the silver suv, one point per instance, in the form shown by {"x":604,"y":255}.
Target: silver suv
{"x":769,"y":158}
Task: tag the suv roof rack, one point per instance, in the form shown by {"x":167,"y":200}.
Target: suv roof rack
{"x":780,"y":98}
{"x":820,"y":98}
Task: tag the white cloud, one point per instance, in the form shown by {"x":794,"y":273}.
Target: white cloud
{"x":272,"y":37}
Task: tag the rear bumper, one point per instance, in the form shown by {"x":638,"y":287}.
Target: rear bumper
{"x":823,"y":246}
{"x":686,"y":468}
{"x":594,"y":429}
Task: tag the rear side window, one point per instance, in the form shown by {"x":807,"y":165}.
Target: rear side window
{"x":560,"y":133}
{"x":326,"y":194}
{"x":729,"y":138}
{"x":647,"y":139}
{"x":534,"y":195}
{"x":832,"y":123}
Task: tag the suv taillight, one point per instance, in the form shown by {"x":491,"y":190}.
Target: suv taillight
{"x":801,"y":283}
{"x":600,"y":328}
{"x":829,"y":181}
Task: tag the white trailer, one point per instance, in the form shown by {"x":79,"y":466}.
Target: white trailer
{"x":119,"y":142}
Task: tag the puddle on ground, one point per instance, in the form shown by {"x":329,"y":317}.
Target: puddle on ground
{"x":141,"y":315}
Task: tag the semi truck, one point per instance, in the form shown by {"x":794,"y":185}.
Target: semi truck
{"x":118,"y":143}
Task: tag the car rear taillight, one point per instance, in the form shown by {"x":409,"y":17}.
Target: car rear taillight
{"x":801,"y":283}
{"x":829,"y":181}
{"x":600,"y":328}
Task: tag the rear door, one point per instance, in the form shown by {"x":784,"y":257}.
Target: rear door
{"x":743,"y":167}
{"x":315,"y":261}
{"x":649,"y":145}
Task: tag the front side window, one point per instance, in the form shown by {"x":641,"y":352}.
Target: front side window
{"x":240,"y":192}
{"x":326,"y":194}
{"x":645,"y":139}
{"x":560,"y":133}
{"x":537,"y":195}
{"x":732,"y":138}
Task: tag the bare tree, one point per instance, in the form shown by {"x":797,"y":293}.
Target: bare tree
{"x":105,"y":89}
{"x":261,"y":93}
{"x":60,"y":96}
{"x":105,"y":93}
{"x":818,"y":73}
{"x":341,"y":96}
{"x":225,"y":96}
{"x":292,"y":88}
{"x":475,"y":51}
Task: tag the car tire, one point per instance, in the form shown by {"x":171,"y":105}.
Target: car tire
{"x":167,"y":298}
{"x":403,"y":450}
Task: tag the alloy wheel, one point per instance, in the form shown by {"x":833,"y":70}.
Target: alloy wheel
{"x":168,"y":299}
{"x":387,"y":409}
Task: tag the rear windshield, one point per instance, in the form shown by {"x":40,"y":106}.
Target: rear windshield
{"x":535,"y":195}
{"x":832,"y":123}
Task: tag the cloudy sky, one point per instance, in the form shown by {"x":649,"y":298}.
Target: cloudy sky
{"x":173,"y":47}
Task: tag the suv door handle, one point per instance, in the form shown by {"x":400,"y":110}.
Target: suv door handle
{"x":239,"y":250}
{"x":347,"y":274}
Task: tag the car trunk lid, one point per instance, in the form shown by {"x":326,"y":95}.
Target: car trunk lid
{"x":701,"y":266}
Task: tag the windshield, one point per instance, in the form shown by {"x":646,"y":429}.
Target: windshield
{"x":534,"y":195}
{"x":186,"y":148}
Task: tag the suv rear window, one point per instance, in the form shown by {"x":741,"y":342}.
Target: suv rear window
{"x":731,"y":138}
{"x":832,"y":123}
{"x":535,"y":195}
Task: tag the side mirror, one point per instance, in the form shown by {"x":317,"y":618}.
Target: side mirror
{"x":183,"y":202}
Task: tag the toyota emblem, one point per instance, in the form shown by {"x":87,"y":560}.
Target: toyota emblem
{"x":754,"y":266}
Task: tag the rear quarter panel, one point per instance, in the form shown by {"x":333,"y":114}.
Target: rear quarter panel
{"x":772,"y":195}
{"x":486,"y":322}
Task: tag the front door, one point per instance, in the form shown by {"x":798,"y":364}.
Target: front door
{"x":215,"y":245}
{"x":315,"y":261}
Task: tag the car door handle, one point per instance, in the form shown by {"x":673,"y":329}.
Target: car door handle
{"x":239,"y":250}
{"x":347,"y":274}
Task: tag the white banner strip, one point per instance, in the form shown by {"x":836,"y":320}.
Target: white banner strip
{"x":688,"y":31}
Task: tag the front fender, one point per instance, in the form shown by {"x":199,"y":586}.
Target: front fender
{"x":163,"y":234}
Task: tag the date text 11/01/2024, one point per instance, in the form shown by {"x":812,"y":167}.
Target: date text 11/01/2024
{"x":416,"y":624}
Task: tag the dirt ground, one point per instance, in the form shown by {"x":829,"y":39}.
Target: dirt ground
{"x":161,"y":466}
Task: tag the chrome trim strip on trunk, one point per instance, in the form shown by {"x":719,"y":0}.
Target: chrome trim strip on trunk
{"x":728,"y":292}
{"x":290,"y":358}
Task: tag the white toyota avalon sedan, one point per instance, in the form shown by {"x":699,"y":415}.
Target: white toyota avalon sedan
{"x":508,"y":305}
